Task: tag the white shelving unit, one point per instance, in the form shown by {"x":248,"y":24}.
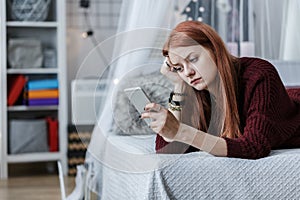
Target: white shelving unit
{"x":52,"y":33}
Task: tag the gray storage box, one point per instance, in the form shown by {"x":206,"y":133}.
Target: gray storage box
{"x":27,"y":136}
{"x":25,"y":53}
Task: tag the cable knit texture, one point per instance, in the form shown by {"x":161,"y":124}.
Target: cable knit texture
{"x":269,"y":113}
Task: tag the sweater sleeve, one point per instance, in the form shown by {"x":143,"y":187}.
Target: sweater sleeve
{"x":161,"y":146}
{"x":267,"y":106}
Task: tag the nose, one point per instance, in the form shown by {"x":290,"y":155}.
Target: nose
{"x":189,"y":71}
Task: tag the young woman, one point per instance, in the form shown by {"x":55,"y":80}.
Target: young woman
{"x":227,"y":106}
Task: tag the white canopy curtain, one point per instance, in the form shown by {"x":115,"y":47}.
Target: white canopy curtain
{"x":276,"y":29}
{"x":139,"y":24}
{"x":136,"y":18}
{"x":290,"y":37}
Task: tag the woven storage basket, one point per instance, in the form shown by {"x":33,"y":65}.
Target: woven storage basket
{"x":30,"y":10}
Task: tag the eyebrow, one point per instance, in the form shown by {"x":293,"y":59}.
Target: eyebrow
{"x":184,"y":59}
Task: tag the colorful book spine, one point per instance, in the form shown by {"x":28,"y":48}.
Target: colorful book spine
{"x":42,"y":84}
{"x":52,"y":134}
{"x":42,"y":102}
{"x":15,"y":87}
{"x":40,"y":94}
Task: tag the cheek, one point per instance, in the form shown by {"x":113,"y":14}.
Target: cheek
{"x":211,"y":71}
{"x":182,"y":76}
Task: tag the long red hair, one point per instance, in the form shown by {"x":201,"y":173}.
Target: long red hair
{"x":190,"y":33}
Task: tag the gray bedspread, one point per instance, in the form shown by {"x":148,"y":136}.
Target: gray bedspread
{"x":196,"y":175}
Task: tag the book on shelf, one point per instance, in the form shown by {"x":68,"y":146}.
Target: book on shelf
{"x":40,"y":94}
{"x":52,"y":134}
{"x":42,"y":84}
{"x":15,"y":86}
{"x":42,"y":102}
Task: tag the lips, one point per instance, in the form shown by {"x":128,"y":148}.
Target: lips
{"x":195,"y":81}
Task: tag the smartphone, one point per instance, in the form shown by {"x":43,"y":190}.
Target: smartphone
{"x":139,"y":99}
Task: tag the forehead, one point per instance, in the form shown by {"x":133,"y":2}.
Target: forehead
{"x":176,"y":54}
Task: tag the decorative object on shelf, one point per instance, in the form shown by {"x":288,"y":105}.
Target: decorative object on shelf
{"x":49,"y":58}
{"x":25,"y":53}
{"x":33,"y":10}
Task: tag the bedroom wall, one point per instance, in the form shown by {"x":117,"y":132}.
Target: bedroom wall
{"x":104,"y":19}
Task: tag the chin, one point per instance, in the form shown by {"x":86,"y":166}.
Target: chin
{"x":200,"y":87}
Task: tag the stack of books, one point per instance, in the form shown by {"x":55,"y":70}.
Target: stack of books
{"x":42,"y":92}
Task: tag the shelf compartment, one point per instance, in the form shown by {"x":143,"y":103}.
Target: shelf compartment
{"x":33,"y":71}
{"x":32,"y":108}
{"x":33,"y":157}
{"x":48,"y":37}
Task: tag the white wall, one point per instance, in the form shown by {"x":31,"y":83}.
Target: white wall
{"x":104,"y":18}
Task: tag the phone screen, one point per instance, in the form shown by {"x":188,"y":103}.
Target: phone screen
{"x":138,"y":98}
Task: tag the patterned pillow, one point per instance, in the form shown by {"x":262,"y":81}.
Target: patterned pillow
{"x":126,"y":117}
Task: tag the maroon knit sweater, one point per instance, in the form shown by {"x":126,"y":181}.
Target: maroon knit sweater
{"x":269,"y":114}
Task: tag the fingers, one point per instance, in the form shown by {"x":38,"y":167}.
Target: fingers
{"x":155,"y":124}
{"x":152,"y":115}
{"x":153,"y":107}
{"x":155,"y":113}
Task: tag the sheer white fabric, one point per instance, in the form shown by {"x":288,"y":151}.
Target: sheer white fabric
{"x":276,"y":29}
{"x":290,"y":37}
{"x":140,"y":24}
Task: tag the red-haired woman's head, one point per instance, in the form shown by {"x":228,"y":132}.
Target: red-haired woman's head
{"x":196,"y":51}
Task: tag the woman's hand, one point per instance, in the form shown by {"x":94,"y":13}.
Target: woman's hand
{"x":163,"y":121}
{"x":169,"y":72}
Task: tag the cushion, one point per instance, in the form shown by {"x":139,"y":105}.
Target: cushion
{"x":126,"y":117}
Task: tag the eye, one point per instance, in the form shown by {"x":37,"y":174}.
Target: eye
{"x":193,"y":60}
{"x":178,"y":69}
{"x":168,"y":64}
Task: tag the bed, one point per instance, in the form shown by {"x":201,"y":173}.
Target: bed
{"x":196,"y":175}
